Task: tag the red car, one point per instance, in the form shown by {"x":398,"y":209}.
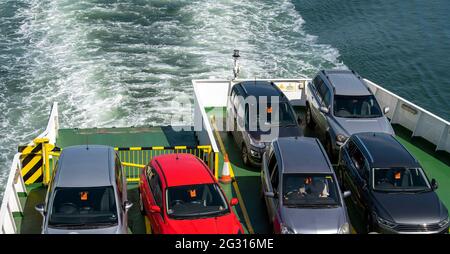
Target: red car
{"x":179,"y":195}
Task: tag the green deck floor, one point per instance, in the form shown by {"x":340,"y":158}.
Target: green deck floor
{"x":436,"y":165}
{"x":126,"y":137}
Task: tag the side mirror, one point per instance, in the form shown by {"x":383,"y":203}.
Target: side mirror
{"x":269,"y":194}
{"x":155,"y":209}
{"x":434,"y":184}
{"x":127,"y":205}
{"x":40,"y":208}
{"x":324,"y":110}
{"x":347,"y":194}
{"x":234,"y":201}
{"x":386,"y":110}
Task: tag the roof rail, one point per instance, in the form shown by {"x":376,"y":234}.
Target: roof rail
{"x":329,"y":81}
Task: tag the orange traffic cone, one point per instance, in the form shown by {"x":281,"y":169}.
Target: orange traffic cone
{"x":225,"y":177}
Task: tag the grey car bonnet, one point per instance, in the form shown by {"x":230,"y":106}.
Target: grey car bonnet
{"x":313,"y":220}
{"x":423,"y":208}
{"x":106,"y":230}
{"x":350,"y":126}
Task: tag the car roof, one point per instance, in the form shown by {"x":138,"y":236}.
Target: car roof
{"x":347,"y":82}
{"x":183,"y":169}
{"x":303,"y":155}
{"x":385,"y":151}
{"x":85,"y":166}
{"x":260,"y":88}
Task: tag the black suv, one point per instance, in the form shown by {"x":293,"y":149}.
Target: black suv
{"x":390,"y":189}
{"x":257,"y":113}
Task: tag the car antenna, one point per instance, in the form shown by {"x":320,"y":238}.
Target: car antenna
{"x":87,"y":142}
{"x":236,"y":65}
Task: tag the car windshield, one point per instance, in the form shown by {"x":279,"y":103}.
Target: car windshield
{"x":356,"y":106}
{"x":400,"y":179}
{"x":201,"y":200}
{"x":284,"y":118}
{"x":83,"y":207}
{"x":310,"y":190}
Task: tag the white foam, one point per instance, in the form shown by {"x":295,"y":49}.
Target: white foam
{"x":105,"y":69}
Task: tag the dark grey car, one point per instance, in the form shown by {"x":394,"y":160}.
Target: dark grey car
{"x":253,"y":120}
{"x":301,"y":190}
{"x":339,"y":104}
{"x":87,"y":194}
{"x":391,"y":191}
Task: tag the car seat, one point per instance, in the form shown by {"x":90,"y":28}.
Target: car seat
{"x":366,"y":108}
{"x":206,"y":196}
{"x":317,"y":188}
{"x":105,"y":202}
{"x":407,"y":179}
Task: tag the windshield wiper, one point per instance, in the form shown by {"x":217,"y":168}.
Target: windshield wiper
{"x":396,"y":191}
{"x":289,"y":125}
{"x":311,"y":205}
{"x":199,"y":215}
{"x":68,"y":225}
{"x":103,"y":223}
{"x":421,"y":190}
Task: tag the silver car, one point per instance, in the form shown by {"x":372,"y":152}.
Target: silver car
{"x":339,"y":104}
{"x":87,"y":194}
{"x":301,"y":190}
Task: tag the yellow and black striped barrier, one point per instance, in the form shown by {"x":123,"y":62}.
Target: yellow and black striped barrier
{"x":35,"y":161}
{"x":37,"y":166}
{"x":134,"y":158}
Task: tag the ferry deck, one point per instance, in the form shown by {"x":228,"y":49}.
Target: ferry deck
{"x":210,"y":113}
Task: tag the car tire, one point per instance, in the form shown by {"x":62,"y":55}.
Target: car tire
{"x":309,"y":119}
{"x":329,"y":148}
{"x":141,"y":204}
{"x":369,"y":224}
{"x":244,"y":155}
{"x":341,"y":178}
{"x":261,"y":195}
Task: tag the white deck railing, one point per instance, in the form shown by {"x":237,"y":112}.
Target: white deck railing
{"x":11,"y":202}
{"x":202,"y":125}
{"x":15,"y":184}
{"x":213,"y":94}
{"x":421,"y":122}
